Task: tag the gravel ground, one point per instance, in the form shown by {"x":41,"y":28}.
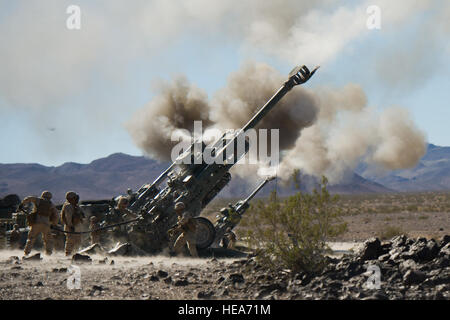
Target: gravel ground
{"x":409,"y":269}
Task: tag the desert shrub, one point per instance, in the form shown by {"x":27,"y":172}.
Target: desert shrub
{"x":292,"y":232}
{"x":390,"y":231}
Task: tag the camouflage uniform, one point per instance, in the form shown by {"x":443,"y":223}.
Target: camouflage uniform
{"x":72,"y":217}
{"x":229,"y":239}
{"x":95,"y":235}
{"x":44,"y":214}
{"x":122,"y":209}
{"x":187,"y":226}
{"x":120,"y":214}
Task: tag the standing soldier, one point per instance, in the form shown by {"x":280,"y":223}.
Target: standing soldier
{"x":95,"y":235}
{"x":43,"y":215}
{"x":186,"y":224}
{"x":72,"y":217}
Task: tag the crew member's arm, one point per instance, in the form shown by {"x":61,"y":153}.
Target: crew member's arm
{"x":54,"y":215}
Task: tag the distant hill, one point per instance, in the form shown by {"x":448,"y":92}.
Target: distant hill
{"x":100,"y":179}
{"x":108,"y":177}
{"x":432,"y":173}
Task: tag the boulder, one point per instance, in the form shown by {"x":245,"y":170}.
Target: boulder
{"x":412,"y":277}
{"x":162,"y":274}
{"x":81,"y":258}
{"x":35,"y":257}
{"x":371,"y":249}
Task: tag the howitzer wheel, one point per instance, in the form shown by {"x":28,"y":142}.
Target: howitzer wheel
{"x":205,"y":233}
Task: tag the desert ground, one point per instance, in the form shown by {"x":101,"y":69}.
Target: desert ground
{"x":415,"y":266}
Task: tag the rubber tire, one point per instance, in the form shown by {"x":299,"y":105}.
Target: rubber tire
{"x":206,"y":233}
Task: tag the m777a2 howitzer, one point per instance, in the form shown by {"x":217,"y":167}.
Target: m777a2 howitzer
{"x":195,"y":182}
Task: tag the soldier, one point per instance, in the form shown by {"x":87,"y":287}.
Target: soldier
{"x":72,"y":217}
{"x":95,"y":235}
{"x":122,"y":213}
{"x":43,"y":215}
{"x":186,"y":224}
{"x":14,"y":237}
{"x":229,"y":239}
{"x":122,"y":209}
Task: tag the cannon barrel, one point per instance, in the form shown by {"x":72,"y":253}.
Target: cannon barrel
{"x":297,"y":76}
{"x":244,"y":204}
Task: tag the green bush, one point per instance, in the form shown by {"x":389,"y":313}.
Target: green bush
{"x":292,"y":232}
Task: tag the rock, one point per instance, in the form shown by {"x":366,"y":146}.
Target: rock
{"x":261,"y":294}
{"x":420,"y":252}
{"x":384,"y":257}
{"x":412,"y":277}
{"x":168,"y":280}
{"x":443,"y":262}
{"x":353,"y":269}
{"x":81,"y":258}
{"x":444,"y":241}
{"x":371,"y":249}
{"x":154,"y":278}
{"x":236,"y":278}
{"x":35,"y":257}
{"x":445,"y":251}
{"x":433,"y":248}
{"x":399,"y":241}
{"x":220,"y":280}
{"x":13,"y":259}
{"x":162,"y":274}
{"x":407,"y":265}
{"x":377,"y":296}
{"x":181,"y":283}
{"x":224,"y":292}
{"x":96,"y":290}
{"x":205,"y":294}
{"x":395,"y":276}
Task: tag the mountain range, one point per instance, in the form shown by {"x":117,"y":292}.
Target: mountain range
{"x":110,"y":176}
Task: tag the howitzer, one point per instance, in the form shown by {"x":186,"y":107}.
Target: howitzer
{"x":231,"y":216}
{"x":195,"y":182}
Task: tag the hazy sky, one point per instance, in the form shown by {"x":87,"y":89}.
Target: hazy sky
{"x":65,"y":95}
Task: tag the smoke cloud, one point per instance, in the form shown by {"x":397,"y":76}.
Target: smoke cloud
{"x":325,"y":131}
{"x":47,"y":67}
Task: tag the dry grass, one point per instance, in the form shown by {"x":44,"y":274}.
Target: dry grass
{"x":395,"y":203}
{"x":389,"y":232}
